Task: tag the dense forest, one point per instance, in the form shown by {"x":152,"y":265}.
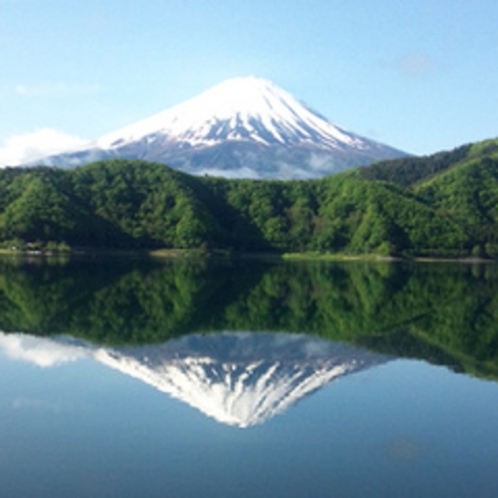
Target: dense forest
{"x":445,"y":205}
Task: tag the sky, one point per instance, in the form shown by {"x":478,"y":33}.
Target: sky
{"x":421,"y":76}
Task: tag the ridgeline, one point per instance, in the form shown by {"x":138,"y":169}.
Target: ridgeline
{"x":444,"y":205}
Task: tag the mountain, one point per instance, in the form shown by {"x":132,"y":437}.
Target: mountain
{"x":239,"y":379}
{"x":243,"y":127}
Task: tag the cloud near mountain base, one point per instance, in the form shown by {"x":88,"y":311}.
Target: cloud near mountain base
{"x":29,"y":147}
{"x":38,"y":350}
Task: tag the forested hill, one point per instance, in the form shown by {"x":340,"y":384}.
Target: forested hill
{"x":445,"y":205}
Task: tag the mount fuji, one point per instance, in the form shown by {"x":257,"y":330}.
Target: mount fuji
{"x":241,"y":128}
{"x":237,"y":378}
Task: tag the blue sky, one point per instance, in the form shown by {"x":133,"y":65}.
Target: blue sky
{"x":421,"y":76}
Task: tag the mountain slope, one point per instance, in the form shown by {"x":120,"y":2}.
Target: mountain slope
{"x":239,"y":379}
{"x":461,"y":185}
{"x":244,"y":127}
{"x":408,"y":171}
{"x":133,"y":204}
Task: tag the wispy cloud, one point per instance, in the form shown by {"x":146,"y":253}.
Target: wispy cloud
{"x":47,"y":405}
{"x":36,"y":404}
{"x":29,"y":147}
{"x":54,"y":89}
{"x":405,"y":449}
{"x":414,"y":64}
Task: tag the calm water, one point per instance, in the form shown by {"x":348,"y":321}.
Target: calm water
{"x":182,"y":379}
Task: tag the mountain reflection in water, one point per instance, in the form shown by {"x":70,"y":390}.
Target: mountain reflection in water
{"x":186,"y":327}
{"x":239,"y":379}
{"x":445,"y":314}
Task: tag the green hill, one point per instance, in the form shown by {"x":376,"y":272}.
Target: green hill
{"x":443,"y":205}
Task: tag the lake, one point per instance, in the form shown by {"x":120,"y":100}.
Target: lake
{"x":125,"y":378}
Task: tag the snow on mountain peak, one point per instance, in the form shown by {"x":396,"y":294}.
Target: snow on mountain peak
{"x":240,"y":128}
{"x":240,"y":378}
{"x":242,"y":109}
{"x":237,"y":378}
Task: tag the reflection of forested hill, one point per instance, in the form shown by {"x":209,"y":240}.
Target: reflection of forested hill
{"x":443,"y":313}
{"x":115,"y":302}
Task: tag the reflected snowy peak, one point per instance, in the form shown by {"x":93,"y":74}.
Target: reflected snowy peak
{"x":239,"y":379}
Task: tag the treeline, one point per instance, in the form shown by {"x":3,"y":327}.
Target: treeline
{"x":442,"y":205}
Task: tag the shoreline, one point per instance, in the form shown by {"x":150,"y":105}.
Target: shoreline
{"x":229,"y":254}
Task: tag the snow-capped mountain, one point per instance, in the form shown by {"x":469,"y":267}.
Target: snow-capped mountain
{"x":239,"y":379}
{"x":244,"y":127}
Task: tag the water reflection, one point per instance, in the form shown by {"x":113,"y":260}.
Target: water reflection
{"x":444,"y":314}
{"x":77,"y":424}
{"x":239,"y":379}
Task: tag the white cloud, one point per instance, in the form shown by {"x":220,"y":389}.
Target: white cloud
{"x":244,"y":172}
{"x":54,"y":89}
{"x":39,"y":351}
{"x":29,"y":147}
{"x":26,"y":91}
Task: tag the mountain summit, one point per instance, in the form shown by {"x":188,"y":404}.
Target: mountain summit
{"x":240,"y":109}
{"x":237,"y":378}
{"x":243,"y":127}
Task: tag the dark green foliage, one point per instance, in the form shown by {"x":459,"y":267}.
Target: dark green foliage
{"x":149,"y":205}
{"x":468,"y":194}
{"x":443,"y":205}
{"x":360,"y":216}
{"x":410,"y":170}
